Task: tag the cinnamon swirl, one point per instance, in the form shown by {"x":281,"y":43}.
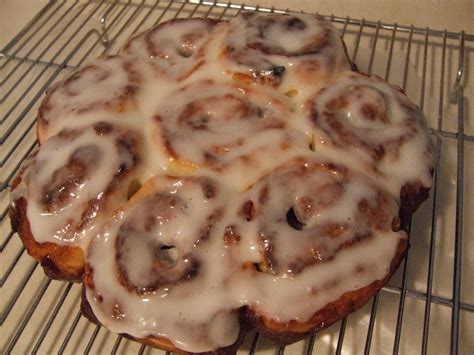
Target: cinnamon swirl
{"x":295,"y":52}
{"x":374,"y":123}
{"x":155,"y":262}
{"x":235,"y":130}
{"x":326,"y":235}
{"x":69,"y":185}
{"x":175,"y":48}
{"x":109,"y":85}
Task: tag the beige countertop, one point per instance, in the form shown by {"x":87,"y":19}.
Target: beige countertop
{"x":454,"y":15}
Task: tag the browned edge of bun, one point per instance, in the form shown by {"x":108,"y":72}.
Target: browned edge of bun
{"x":59,"y":262}
{"x":162,"y":343}
{"x":412,"y":195}
{"x":293,"y":331}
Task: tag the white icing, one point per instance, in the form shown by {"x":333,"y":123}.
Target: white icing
{"x":327,"y":206}
{"x":173,"y":48}
{"x":198,"y":328}
{"x":310,"y":50}
{"x":206,"y":124}
{"x":48,"y":175}
{"x":108,"y":84}
{"x":220,"y":286}
{"x":397,"y":127}
{"x":175,"y":86}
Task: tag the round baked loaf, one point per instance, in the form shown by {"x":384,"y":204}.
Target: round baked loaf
{"x":219,"y":176}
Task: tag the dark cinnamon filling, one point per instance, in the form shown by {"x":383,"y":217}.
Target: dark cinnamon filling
{"x":66,"y":185}
{"x":67,"y":179}
{"x":144,"y":261}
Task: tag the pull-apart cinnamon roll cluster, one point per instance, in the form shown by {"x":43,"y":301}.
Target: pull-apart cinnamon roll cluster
{"x":219,"y":176}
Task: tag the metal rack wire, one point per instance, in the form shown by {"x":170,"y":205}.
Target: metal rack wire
{"x":428,"y":306}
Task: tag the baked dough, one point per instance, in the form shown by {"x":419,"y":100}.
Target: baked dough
{"x":219,"y":176}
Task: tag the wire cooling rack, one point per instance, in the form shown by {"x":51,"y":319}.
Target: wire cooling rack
{"x":428,"y":306}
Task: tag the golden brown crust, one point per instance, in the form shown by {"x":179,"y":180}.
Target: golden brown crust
{"x":59,"y":262}
{"x":165,"y":344}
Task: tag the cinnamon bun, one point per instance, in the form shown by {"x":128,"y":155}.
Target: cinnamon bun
{"x":374,"y":124}
{"x":237,"y":131}
{"x":293,"y":52}
{"x":175,"y":48}
{"x":156,"y":261}
{"x":69,"y":185}
{"x":108,"y":86}
{"x":326,"y":237}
